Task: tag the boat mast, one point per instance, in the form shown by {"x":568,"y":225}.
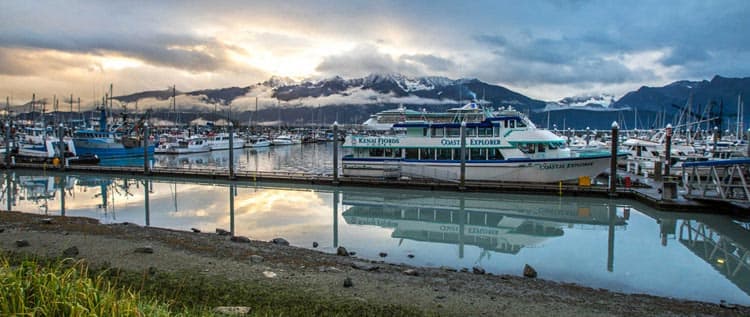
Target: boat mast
{"x":739,"y":117}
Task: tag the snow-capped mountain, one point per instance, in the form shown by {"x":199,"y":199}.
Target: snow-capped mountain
{"x":379,"y":89}
{"x":601,"y":102}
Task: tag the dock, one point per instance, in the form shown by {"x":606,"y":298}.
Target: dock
{"x":652,"y":194}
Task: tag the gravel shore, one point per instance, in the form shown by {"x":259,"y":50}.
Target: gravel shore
{"x":431,"y":290}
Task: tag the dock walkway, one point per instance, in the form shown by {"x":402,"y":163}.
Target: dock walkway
{"x":650,"y":195}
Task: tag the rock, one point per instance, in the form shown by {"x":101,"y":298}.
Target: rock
{"x":478,"y":270}
{"x":232,"y":310}
{"x":22,"y":243}
{"x":256,"y":258}
{"x":352,"y":253}
{"x":280,"y":241}
{"x":411,"y":256}
{"x":724,"y":304}
{"x":348,"y":282}
{"x":342,"y":251}
{"x":464,"y":270}
{"x":448,"y":269}
{"x":269,"y":274}
{"x":331,"y":269}
{"x":46,"y":221}
{"x":222,"y":232}
{"x":529,"y":271}
{"x":383,"y":254}
{"x":196,"y":230}
{"x":411,"y":272}
{"x":146,"y":249}
{"x":364,"y":266}
{"x":2,"y":230}
{"x":315,"y":244}
{"x":240,"y":239}
{"x":151,"y":270}
{"x":70,"y":252}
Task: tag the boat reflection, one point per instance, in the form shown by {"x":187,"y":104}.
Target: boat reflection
{"x":505,"y":224}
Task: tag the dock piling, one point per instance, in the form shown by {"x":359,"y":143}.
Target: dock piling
{"x":613,"y":160}
{"x":335,"y":153}
{"x":462,"y":177}
{"x":231,"y":151}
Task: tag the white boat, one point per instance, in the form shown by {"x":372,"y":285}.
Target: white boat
{"x":260,"y":142}
{"x":283,"y":139}
{"x":384,"y":120}
{"x":221,"y":142}
{"x":194,"y":144}
{"x":49,"y":149}
{"x":505,"y":147}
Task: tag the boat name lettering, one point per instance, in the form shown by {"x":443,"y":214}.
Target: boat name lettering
{"x":485,"y":142}
{"x":450,"y":142}
{"x":546,"y":166}
{"x":483,"y":231}
{"x":447,"y":228}
{"x":378,"y":141}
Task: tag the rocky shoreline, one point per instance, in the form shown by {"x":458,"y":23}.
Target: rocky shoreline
{"x":440,"y":291}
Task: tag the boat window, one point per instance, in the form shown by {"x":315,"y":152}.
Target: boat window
{"x":540,"y":148}
{"x":424,"y":132}
{"x":412,"y":154}
{"x":495,"y":154}
{"x":471,"y":131}
{"x":527,"y":148}
{"x":438,"y":132}
{"x":427,"y":154}
{"x":444,"y":154}
{"x":376,"y":152}
{"x":476,"y":154}
{"x":520,"y":124}
{"x":486,"y":132}
{"x":453,"y":132}
{"x":552,"y":146}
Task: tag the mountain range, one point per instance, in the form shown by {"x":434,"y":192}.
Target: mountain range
{"x":283,"y":100}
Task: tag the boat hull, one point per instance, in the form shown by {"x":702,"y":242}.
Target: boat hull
{"x":111,"y":150}
{"x":527,"y":171}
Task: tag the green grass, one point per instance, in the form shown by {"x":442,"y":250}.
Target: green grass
{"x":65,"y":289}
{"x":40,"y":287}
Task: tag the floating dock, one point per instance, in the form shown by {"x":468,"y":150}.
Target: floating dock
{"x":651,"y":195}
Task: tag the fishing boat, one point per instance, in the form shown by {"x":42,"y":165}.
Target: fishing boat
{"x":504,"y":147}
{"x":220,"y":141}
{"x":120,"y":141}
{"x":49,"y":149}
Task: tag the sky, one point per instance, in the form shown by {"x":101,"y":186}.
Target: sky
{"x":545,"y":49}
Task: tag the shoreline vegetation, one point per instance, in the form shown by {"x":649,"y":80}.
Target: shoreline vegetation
{"x":77,"y":267}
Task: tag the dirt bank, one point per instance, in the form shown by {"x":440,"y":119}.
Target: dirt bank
{"x":432,"y":290}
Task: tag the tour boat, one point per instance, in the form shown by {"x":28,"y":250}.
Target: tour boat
{"x":504,"y":147}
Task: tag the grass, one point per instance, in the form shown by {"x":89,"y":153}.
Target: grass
{"x":65,"y":289}
{"x":39,"y":287}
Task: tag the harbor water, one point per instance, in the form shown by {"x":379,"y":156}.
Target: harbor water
{"x":602,"y":243}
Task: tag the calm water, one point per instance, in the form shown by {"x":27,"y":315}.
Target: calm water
{"x":316,"y":158}
{"x":613,"y":244}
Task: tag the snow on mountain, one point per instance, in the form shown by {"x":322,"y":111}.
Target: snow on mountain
{"x":601,"y":102}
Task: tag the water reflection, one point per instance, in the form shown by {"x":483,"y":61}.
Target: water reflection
{"x":595,"y":242}
{"x":720,"y":242}
{"x":504,"y":225}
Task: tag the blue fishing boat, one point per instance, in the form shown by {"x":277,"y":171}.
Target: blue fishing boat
{"x":122,"y":141}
